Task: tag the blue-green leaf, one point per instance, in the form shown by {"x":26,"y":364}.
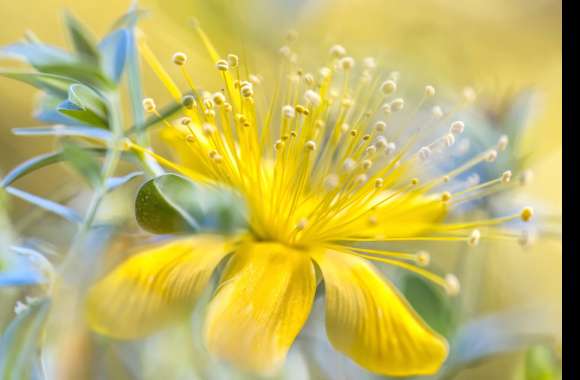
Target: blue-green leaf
{"x":81,"y":115}
{"x":82,"y":40}
{"x":114,"y":54}
{"x":19,"y":343}
{"x":489,"y":336}
{"x":88,"y":99}
{"x":84,"y":162}
{"x":52,"y":84}
{"x":29,"y":166}
{"x":115,"y":182}
{"x":38,"y":55}
{"x":55,"y":208}
{"x":64,"y":130}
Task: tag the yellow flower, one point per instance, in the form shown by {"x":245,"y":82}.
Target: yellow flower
{"x":325,"y":169}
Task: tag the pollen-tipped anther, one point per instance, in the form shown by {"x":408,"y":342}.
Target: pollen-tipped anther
{"x":179,"y":58}
{"x":527,"y":214}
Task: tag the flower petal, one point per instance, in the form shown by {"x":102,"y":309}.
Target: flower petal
{"x":154,"y":287}
{"x":368,"y":320}
{"x":262,"y":303}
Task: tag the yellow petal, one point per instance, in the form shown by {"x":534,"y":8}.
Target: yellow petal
{"x":368,"y":320}
{"x":153,"y":287}
{"x":263,"y":301}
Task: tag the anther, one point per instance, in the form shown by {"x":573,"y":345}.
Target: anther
{"x":219,"y":98}
{"x":469,"y":94}
{"x":388,"y":87}
{"x":222,"y":65}
{"x":429,"y":91}
{"x":310,"y":145}
{"x":312,"y":97}
{"x":288,"y":112}
{"x":527,"y":214}
{"x":424,"y":153}
{"x":190,"y":138}
{"x":397,"y":104}
{"x":331,"y":182}
{"x":360,"y":179}
{"x":301,"y":225}
{"x":149,"y":105}
{"x":491,"y":155}
{"x":233,"y":60}
{"x":423,"y":258}
{"x":449,"y":139}
{"x":179,"y":59}
{"x":502,"y":143}
{"x":474,"y":238}
{"x":380,"y":126}
{"x":457,"y":127}
{"x":185,"y":121}
{"x":247,"y":90}
{"x":437,"y":112}
{"x":349,"y":165}
{"x":188,"y":101}
{"x":337,"y":51}
{"x":386,"y":109}
{"x":506,"y":176}
{"x":379,"y":182}
{"x":452,"y":286}
{"x":369,"y":63}
{"x":347,"y":63}
{"x":371,"y":150}
{"x":445,"y":196}
{"x":208,"y":129}
{"x":366,"y":164}
{"x":391,"y":147}
{"x":279,"y":145}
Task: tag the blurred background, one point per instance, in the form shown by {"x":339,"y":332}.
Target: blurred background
{"x":503,"y":48}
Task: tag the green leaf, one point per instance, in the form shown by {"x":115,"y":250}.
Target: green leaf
{"x":52,"y":84}
{"x":162,"y":205}
{"x":82,"y":40}
{"x":84,"y":162}
{"x":115,"y":182}
{"x":47,"y":159}
{"x":58,"y":209}
{"x":541,"y":364}
{"x":113,"y":49}
{"x":64,"y":130}
{"x":85,"y":105}
{"x":88,"y":99}
{"x":31,"y":165}
{"x":431,"y":303}
{"x":20,"y":341}
{"x":79,"y":114}
{"x":171,"y":203}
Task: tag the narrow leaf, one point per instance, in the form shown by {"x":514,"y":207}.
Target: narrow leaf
{"x":114,"y":54}
{"x":64,"y":130}
{"x":115,"y":182}
{"x":31,"y":165}
{"x":82,"y":40}
{"x":55,"y":208}
{"x":19,"y":343}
